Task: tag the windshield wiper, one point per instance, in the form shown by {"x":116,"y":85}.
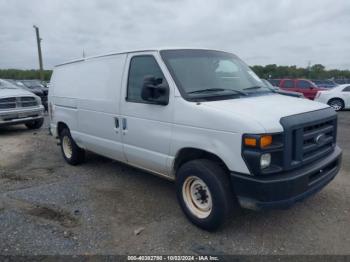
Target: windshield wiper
{"x":216,"y":90}
{"x":252,"y":88}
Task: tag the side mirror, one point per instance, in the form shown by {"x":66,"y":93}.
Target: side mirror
{"x":155,"y":90}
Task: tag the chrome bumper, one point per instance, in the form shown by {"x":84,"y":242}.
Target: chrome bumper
{"x":21,"y":115}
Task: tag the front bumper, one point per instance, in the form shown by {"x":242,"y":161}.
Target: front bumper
{"x":20,"y":116}
{"x":283,"y":190}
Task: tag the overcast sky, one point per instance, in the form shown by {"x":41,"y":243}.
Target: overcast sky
{"x":284,"y":32}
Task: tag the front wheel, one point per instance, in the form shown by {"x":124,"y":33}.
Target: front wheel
{"x":337,"y":104}
{"x":36,"y":124}
{"x":204,"y":193}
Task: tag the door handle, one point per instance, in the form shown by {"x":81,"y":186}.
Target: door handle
{"x":116,"y":125}
{"x":124,"y":124}
{"x":116,"y":122}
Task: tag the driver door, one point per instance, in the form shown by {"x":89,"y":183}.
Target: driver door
{"x":146,"y":127}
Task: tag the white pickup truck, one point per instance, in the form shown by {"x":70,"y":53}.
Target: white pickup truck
{"x":18,"y":106}
{"x":201,"y":118}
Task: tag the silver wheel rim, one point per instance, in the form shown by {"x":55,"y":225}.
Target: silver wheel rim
{"x":197,"y":197}
{"x":67,"y":147}
{"x":336,"y":105}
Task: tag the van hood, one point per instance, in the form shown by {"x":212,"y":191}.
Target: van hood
{"x":267,"y":110}
{"x":7,"y":92}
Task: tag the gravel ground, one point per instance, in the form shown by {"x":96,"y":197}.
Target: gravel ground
{"x":105,"y":207}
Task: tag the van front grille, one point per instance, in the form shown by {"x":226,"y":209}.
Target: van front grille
{"x":309,"y":136}
{"x":318,"y":139}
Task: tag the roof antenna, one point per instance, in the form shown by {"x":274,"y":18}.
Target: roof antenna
{"x":83,"y":53}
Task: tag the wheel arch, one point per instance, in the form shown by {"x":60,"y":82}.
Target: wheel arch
{"x":190,"y":153}
{"x":60,"y":126}
{"x":336,"y":98}
{"x":339,"y":99}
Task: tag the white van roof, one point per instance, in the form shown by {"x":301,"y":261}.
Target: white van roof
{"x":134,"y":51}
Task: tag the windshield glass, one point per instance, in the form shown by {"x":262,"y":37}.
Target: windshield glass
{"x":207,"y":73}
{"x":269,"y":85}
{"x":6,"y":85}
{"x":32,"y":83}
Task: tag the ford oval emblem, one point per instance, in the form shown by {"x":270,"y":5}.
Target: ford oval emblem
{"x":320,"y":139}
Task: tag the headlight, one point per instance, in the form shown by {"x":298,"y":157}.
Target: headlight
{"x":263,"y":153}
{"x":265,"y":160}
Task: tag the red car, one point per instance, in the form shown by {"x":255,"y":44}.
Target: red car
{"x":307,"y":87}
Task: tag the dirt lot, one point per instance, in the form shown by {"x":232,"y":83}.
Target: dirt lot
{"x":49,"y":207}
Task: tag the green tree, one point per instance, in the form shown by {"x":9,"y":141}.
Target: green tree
{"x":316,"y":71}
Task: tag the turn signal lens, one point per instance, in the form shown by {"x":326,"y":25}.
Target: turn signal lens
{"x":248,"y":141}
{"x":265,"y":141}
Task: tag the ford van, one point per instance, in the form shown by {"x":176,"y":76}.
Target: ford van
{"x":201,"y":118}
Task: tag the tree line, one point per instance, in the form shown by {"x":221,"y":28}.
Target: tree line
{"x":316,"y":71}
{"x":24,"y":74}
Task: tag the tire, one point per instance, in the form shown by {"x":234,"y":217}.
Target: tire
{"x":218,"y":193}
{"x":336,"y":103}
{"x":36,"y":124}
{"x":71,"y":152}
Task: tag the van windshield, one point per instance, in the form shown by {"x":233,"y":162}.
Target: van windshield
{"x":201,"y":74}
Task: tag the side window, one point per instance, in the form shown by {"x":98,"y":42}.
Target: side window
{"x":141,"y":67}
{"x":288,"y":84}
{"x":303,"y":84}
{"x":346,"y":89}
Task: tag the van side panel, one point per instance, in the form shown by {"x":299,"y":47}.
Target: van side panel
{"x":85,"y":96}
{"x":98,"y":105}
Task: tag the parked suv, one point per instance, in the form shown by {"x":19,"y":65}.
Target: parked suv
{"x":280,"y":91}
{"x":199,"y":117}
{"x":308,"y":88}
{"x":18,"y":106}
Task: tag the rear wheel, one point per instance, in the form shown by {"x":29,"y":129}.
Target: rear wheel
{"x":36,"y":124}
{"x":72,"y":153}
{"x":204,"y":193}
{"x":336,"y":103}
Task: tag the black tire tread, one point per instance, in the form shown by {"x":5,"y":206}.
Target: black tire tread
{"x":219,"y":178}
{"x":339,"y":99}
{"x":35,"y":124}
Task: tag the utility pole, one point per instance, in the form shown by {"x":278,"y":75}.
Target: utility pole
{"x":309,"y":69}
{"x":38,"y":40}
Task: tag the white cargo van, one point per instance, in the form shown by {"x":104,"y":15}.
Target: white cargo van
{"x":201,"y":118}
